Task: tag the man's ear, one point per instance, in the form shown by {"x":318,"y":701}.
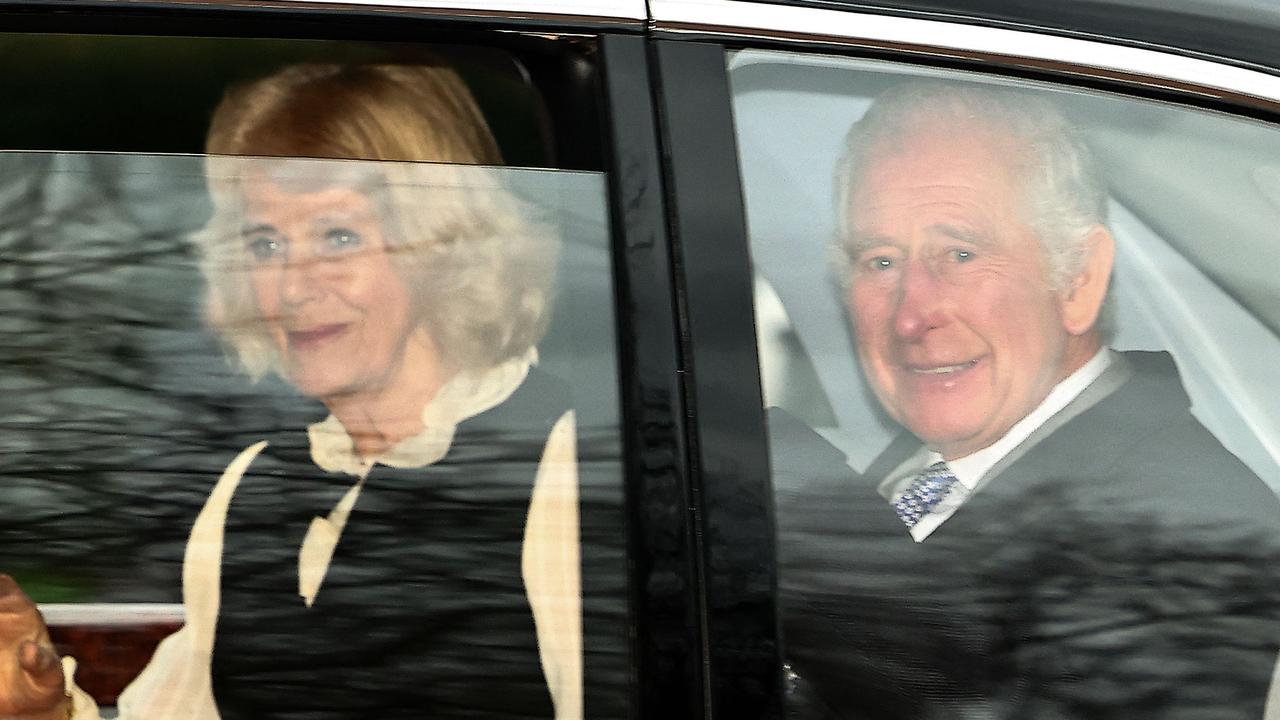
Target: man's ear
{"x":1082,"y":300}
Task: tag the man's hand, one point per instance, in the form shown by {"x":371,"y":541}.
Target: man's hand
{"x":31,"y":683}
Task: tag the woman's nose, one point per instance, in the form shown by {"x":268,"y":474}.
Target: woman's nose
{"x":919,"y":307}
{"x":299,"y":283}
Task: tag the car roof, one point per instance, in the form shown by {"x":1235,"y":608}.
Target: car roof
{"x":1243,"y":31}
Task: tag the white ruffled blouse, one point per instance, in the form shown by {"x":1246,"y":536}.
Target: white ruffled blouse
{"x":176,"y":684}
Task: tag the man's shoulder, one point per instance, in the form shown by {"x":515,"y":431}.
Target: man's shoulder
{"x":1165,"y":438}
{"x":1140,"y":452}
{"x":1195,"y":476}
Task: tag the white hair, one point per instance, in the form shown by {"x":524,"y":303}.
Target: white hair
{"x":1065,"y":197}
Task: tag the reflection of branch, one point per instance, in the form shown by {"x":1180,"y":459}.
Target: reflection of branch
{"x":1063,"y":606}
{"x":116,"y":410}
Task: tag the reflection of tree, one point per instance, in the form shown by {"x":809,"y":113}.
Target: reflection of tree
{"x":1067,"y":609}
{"x":116,"y":407}
{"x":1139,"y":617}
{"x":604,"y":607}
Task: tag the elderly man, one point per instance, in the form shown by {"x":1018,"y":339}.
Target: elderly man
{"x":1054,"y":535}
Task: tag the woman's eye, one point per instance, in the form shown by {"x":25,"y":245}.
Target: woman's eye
{"x":342,"y":239}
{"x":264,"y":248}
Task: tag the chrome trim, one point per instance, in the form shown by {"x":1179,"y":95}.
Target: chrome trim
{"x":628,"y":12}
{"x":112,"y":614}
{"x":1001,"y":46}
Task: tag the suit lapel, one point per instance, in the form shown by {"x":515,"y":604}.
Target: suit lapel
{"x":1022,"y":468}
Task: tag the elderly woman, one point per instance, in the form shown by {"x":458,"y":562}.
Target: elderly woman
{"x":415,"y":553}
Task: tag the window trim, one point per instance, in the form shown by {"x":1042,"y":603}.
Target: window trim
{"x":1182,"y":73}
{"x":580,"y":12}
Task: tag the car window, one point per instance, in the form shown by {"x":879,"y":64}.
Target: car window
{"x":374,"y":259}
{"x":1017,"y":341}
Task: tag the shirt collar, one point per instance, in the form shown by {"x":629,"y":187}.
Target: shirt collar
{"x":970,"y":468}
{"x":465,"y":395}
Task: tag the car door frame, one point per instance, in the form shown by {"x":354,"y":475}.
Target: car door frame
{"x":727,"y":433}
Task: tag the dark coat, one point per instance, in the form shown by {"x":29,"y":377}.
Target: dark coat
{"x":1123,"y":565}
{"x":423,"y":611}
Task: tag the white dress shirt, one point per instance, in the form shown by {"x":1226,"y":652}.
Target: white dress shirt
{"x":176,"y":684}
{"x":971,"y":470}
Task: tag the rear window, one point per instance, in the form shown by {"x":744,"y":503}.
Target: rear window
{"x":390,"y":271}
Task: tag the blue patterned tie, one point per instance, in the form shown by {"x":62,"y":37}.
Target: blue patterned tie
{"x":924,"y":493}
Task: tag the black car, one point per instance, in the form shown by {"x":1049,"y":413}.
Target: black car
{"x":684,"y":155}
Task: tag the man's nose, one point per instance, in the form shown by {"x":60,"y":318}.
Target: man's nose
{"x":919,"y":306}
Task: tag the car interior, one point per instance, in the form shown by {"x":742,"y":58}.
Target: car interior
{"x":1182,"y":183}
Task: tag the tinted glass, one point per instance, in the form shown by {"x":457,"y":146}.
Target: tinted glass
{"x":433,"y":524}
{"x":1018,"y":342}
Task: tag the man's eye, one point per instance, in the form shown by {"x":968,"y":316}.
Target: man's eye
{"x":342,"y":239}
{"x":263,"y":247}
{"x":879,"y":262}
{"x":961,"y":256}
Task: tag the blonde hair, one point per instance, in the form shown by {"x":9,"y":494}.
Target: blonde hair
{"x":479,"y":270}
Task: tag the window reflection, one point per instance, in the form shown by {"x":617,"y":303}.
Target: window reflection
{"x":121,"y":449}
{"x":410,"y":505}
{"x":1019,"y":510}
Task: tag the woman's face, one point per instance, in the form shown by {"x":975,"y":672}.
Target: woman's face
{"x":334,"y":307}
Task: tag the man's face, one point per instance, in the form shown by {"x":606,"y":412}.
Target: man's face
{"x":959,"y":330}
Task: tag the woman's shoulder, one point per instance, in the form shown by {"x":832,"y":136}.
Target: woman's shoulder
{"x":540,"y":401}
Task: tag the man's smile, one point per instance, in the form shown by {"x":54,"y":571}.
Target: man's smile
{"x":935,"y":369}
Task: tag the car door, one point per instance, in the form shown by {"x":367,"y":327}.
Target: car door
{"x":757,"y":103}
{"x":133,"y":408}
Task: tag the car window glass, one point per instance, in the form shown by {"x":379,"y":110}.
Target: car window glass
{"x":909,"y":313}
{"x":168,"y":311}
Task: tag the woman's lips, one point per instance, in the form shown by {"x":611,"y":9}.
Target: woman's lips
{"x":314,"y":336}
